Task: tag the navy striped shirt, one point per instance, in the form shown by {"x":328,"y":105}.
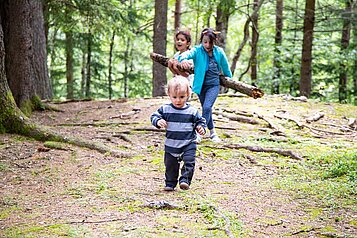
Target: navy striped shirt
{"x":181,"y":125}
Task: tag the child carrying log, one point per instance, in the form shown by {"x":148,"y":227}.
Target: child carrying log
{"x":209,"y":61}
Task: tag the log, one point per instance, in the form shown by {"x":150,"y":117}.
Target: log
{"x":241,"y":87}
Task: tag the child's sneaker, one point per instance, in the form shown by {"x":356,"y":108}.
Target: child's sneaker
{"x":184,"y":186}
{"x":169,"y":189}
{"x":215,"y":138}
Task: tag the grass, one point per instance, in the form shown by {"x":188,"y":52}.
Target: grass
{"x":329,"y":178}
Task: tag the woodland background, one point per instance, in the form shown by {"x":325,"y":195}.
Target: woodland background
{"x":287,"y":165}
{"x":100,"y":49}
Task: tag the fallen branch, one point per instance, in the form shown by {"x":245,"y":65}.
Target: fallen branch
{"x":227,"y":223}
{"x":302,"y":125}
{"x":241,"y":87}
{"x":238,"y":118}
{"x":315,"y":117}
{"x":260,"y":149}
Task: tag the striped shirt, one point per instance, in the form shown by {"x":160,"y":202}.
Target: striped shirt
{"x":181,"y":125}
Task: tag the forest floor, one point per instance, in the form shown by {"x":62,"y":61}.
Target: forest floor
{"x":266,"y":179}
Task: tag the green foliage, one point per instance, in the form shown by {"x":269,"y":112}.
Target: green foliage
{"x":131,"y":22}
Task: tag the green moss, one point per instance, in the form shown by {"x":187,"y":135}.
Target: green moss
{"x":55,"y":145}
{"x":28,"y":106}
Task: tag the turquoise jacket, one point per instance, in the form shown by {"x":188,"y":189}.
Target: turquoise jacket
{"x":200,"y":61}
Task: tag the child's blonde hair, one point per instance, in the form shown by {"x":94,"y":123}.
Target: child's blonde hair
{"x":178,"y":84}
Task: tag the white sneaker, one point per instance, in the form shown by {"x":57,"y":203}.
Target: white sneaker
{"x":215,"y":138}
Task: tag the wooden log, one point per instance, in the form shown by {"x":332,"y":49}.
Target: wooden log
{"x":241,"y":87}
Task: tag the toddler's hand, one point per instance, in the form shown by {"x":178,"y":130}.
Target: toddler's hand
{"x":200,"y":130}
{"x":162,"y":123}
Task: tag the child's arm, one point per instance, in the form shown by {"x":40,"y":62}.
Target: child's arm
{"x":157,"y":119}
{"x":224,"y":64}
{"x":200,"y":124}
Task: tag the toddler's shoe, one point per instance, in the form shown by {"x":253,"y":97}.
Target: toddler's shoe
{"x":215,"y":138}
{"x":168,"y":188}
{"x":184,"y":186}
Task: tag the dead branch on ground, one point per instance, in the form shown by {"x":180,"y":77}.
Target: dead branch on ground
{"x":287,"y":153}
{"x":238,"y":118}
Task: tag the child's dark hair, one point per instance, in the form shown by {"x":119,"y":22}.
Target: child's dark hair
{"x":212,"y":34}
{"x":186,"y":34}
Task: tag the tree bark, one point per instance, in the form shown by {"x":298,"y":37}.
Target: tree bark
{"x":354,"y":70}
{"x":278,"y":41}
{"x":159,"y":46}
{"x":110,"y":66}
{"x":223,"y":13}
{"x":25,"y":45}
{"x":69,"y":64}
{"x":88,"y":66}
{"x":255,"y":37}
{"x":228,"y":83}
{"x":177,"y":22}
{"x":306,"y":57}
{"x":69,"y":56}
{"x":345,"y":41}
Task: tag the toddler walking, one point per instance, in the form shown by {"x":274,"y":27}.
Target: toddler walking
{"x":182,"y":121}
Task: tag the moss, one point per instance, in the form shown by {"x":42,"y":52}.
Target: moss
{"x":28,"y":106}
{"x":55,"y":145}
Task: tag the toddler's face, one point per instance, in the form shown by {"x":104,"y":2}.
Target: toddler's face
{"x":181,"y":43}
{"x":207,"y":44}
{"x":179,"y":98}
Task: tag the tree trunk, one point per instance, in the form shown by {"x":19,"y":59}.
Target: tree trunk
{"x":25,"y":45}
{"x":245,"y":38}
{"x":278,"y":41}
{"x":306,"y":57}
{"x":255,"y":36}
{"x":12,"y":120}
{"x":354,"y":70}
{"x":177,"y":22}
{"x":83,"y":74}
{"x":126,"y":66}
{"x":223,"y":13}
{"x":69,"y":64}
{"x":222,"y":19}
{"x":88,"y":65}
{"x":159,"y":46}
{"x":39,"y":58}
{"x":345,"y":41}
{"x":110,"y":88}
{"x":293,"y":82}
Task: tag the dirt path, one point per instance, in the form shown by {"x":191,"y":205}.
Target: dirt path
{"x":76,"y":192}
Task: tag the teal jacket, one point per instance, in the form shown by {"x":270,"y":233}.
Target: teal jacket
{"x":201,"y":60}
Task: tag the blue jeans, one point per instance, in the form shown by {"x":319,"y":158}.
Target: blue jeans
{"x":207,"y":98}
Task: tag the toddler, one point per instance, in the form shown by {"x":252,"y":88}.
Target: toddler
{"x":182,"y":121}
